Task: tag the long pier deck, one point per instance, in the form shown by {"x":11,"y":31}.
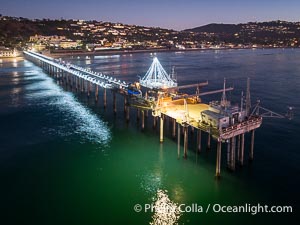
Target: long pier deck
{"x":220,"y":122}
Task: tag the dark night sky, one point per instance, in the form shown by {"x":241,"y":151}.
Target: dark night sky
{"x":176,"y":14}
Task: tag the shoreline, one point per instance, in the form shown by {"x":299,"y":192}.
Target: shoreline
{"x":116,"y":52}
{"x":119,"y":52}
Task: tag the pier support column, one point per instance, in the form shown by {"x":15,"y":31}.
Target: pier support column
{"x":241,"y":158}
{"x":238,"y":147}
{"x":96,"y":92}
{"x":70,"y":81}
{"x":161,"y":133}
{"x":143,"y":119}
{"x":137,"y":114}
{"x":228,"y":152}
{"x":114,"y":103}
{"x":208,"y":142}
{"x":154,"y":122}
{"x":127,"y":113}
{"x":76,"y":83}
{"x":89,"y":89}
{"x":178,"y":140}
{"x":192,"y":130}
{"x":218,"y":163}
{"x":174,"y":128}
{"x":125,"y":103}
{"x":66,"y":77}
{"x":185,"y":144}
{"x":199,"y":140}
{"x":252,"y":145}
{"x":232,"y":154}
{"x":104,"y":97}
{"x":81,"y":85}
{"x":73,"y":82}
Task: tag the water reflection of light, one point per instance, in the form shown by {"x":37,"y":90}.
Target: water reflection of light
{"x":15,"y":62}
{"x":178,"y":193}
{"x":166,"y":212}
{"x":15,"y":96}
{"x":106,"y":56}
{"x":16,"y":78}
{"x":151,"y":182}
{"x":77,"y":118}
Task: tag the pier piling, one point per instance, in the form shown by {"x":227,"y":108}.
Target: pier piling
{"x":161,"y":139}
{"x":127,"y":113}
{"x":137,"y":114}
{"x":232,"y":154}
{"x":241,"y":159}
{"x":178,"y":139}
{"x":218,"y":163}
{"x":173,"y":128}
{"x":252,"y":146}
{"x":154,"y":122}
{"x":104,"y":97}
{"x":125,"y":103}
{"x":228,"y":152}
{"x":199,"y":141}
{"x":208,"y":141}
{"x":143,"y":119}
{"x":96,"y":93}
{"x":185,"y":143}
{"x":114,"y":102}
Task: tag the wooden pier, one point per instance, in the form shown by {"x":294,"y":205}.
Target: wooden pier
{"x":220,"y":121}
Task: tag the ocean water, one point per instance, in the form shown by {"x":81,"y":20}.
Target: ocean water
{"x":64,"y":159}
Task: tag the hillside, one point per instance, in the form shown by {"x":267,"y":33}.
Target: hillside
{"x":216,"y":28}
{"x":15,"y":32}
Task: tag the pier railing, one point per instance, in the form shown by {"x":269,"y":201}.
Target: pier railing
{"x":96,"y":78}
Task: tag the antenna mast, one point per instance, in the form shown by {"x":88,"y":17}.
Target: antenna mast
{"x":224,"y":100}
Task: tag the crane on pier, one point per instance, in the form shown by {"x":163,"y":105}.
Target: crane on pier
{"x":264,"y":112}
{"x":258,"y":110}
